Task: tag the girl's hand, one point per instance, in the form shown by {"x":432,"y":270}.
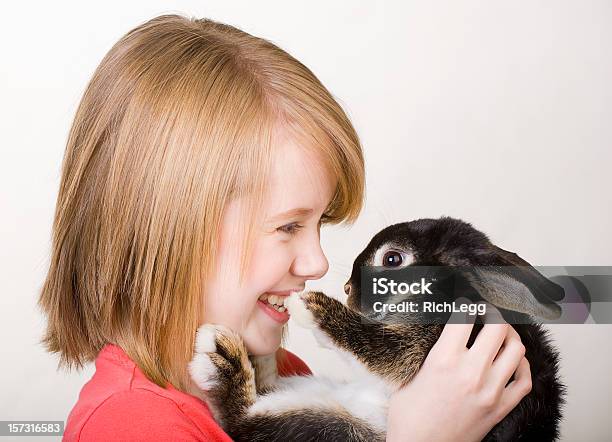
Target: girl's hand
{"x":461,"y":393}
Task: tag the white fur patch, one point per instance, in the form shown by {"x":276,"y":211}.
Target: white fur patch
{"x":298,"y":311}
{"x":323,"y":339}
{"x":203,"y":371}
{"x":201,"y":368}
{"x":364,"y":398}
{"x":205,"y":338}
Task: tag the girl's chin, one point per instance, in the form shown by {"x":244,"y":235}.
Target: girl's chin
{"x":260,"y":348}
{"x":266,"y":340}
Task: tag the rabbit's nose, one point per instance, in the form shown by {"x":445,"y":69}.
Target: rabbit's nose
{"x":347,"y":288}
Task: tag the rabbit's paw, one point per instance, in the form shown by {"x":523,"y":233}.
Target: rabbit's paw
{"x":310,"y":309}
{"x":296,"y":304}
{"x":219,"y":357}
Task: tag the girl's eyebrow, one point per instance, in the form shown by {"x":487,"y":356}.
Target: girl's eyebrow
{"x":300,"y":211}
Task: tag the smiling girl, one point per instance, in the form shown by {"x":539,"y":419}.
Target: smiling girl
{"x":200,"y":166}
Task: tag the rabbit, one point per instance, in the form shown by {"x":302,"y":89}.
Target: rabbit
{"x":252,"y":403}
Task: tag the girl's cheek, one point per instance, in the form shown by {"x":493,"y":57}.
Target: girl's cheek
{"x":270,"y":267}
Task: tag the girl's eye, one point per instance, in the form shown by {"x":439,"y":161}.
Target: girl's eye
{"x":291,"y":229}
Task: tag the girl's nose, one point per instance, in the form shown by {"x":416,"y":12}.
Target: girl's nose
{"x":311,"y":263}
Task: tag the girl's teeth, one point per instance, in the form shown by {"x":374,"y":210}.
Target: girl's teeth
{"x":275,"y":301}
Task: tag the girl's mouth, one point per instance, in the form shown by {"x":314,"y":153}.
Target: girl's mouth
{"x":273,"y":306}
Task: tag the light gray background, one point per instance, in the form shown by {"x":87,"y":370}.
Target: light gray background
{"x":497,"y":112}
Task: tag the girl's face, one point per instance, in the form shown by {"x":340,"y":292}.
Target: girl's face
{"x":286,"y":253}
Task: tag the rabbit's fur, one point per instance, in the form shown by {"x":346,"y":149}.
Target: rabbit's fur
{"x":252,"y":403}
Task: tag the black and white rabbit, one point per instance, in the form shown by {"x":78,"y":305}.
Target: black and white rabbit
{"x":252,"y":403}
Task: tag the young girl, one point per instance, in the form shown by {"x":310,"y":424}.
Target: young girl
{"x":200,"y":166}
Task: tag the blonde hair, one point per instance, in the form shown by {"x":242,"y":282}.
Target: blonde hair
{"x":177,"y":119}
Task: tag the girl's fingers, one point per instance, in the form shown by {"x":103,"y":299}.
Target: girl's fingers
{"x":517,"y":389}
{"x":491,"y":337}
{"x":457,"y":330}
{"x":508,"y":358}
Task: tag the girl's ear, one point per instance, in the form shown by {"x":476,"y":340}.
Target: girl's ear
{"x":513,"y":284}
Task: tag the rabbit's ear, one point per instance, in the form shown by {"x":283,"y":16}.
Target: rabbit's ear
{"x":543,"y":289}
{"x":504,"y":290}
{"x":512,"y":283}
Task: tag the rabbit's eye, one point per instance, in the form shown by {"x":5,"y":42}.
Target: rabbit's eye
{"x":392,"y":259}
{"x":392,"y":256}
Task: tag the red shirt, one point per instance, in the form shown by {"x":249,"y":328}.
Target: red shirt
{"x":120,"y":403}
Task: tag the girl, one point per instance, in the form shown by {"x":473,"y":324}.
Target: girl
{"x":200,"y":166}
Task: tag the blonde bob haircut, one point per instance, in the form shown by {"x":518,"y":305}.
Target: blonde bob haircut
{"x":177,"y":120}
